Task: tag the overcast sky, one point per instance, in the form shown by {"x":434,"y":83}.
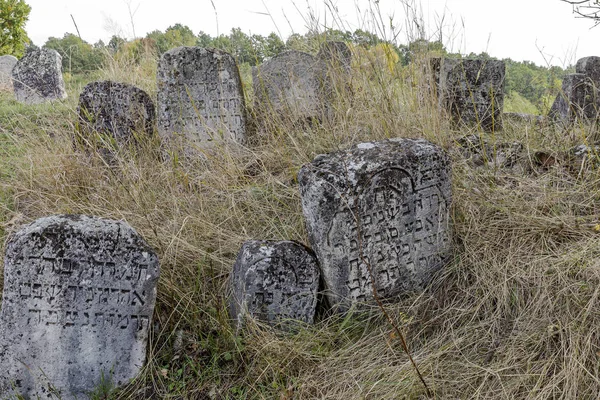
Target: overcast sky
{"x":542,"y":31}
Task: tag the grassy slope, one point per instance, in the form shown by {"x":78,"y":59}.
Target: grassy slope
{"x":514,"y":316}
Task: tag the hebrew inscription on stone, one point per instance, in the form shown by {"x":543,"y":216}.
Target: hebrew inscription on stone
{"x":275,"y":282}
{"x":200,"y":96}
{"x":377,"y":218}
{"x":77,"y":304}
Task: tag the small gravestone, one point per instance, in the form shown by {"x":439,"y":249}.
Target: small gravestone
{"x":37,"y":77}
{"x":7,"y":63}
{"x":292,"y":84}
{"x":118,"y":109}
{"x":378,"y":210}
{"x":200,"y":96}
{"x":275,"y":282}
{"x":472,"y":92}
{"x":336,"y":55}
{"x":573,"y":102}
{"x":77,"y":305}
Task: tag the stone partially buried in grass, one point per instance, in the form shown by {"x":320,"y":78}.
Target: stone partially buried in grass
{"x":117,"y":109}
{"x":379,"y":209}
{"x":77,"y":304}
{"x":275,"y":282}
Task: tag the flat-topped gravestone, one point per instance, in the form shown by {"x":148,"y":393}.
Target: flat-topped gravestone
{"x":292,"y":84}
{"x":573,"y":101}
{"x":472,"y":91}
{"x":275,"y":282}
{"x":77,"y":304}
{"x":336,"y":55}
{"x":7,"y":63}
{"x":378,"y":210}
{"x":200,"y":96}
{"x":37,"y":77}
{"x":118,"y":109}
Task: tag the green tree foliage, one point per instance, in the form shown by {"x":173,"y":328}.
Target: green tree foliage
{"x":77,"y":55}
{"x":13,"y":16}
{"x":174,"y":36}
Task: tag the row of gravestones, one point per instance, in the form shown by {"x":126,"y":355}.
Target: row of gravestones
{"x":79,"y":291}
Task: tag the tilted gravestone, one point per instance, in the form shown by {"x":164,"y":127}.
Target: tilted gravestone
{"x":118,"y":109}
{"x":336,"y":55}
{"x":275,"y":282}
{"x":78,"y":299}
{"x":292,"y":84}
{"x":200,"y":96}
{"x":7,"y":63}
{"x":573,"y":102}
{"x":378,"y":210}
{"x":37,"y":77}
{"x":472,"y":91}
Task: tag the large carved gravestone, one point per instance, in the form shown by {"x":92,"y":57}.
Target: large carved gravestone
{"x":378,"y":210}
{"x":7,"y":63}
{"x":200,"y":96}
{"x":275,"y":282}
{"x":574,"y":100}
{"x":472,"y":91}
{"x":37,"y":77}
{"x":77,"y":305}
{"x":118,"y":109}
{"x":292,"y":84}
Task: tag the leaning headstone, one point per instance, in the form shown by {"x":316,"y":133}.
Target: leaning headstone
{"x":7,"y":63}
{"x":336,"y":55}
{"x":275,"y":282}
{"x":378,"y":210}
{"x":77,"y":304}
{"x":200,"y":96}
{"x":117,"y":109}
{"x":292,"y":84}
{"x":572,"y":103}
{"x":472,"y":92}
{"x":37,"y":77}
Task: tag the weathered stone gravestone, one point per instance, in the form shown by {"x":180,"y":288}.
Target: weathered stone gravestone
{"x":336,"y":55}
{"x":574,"y":101}
{"x":275,"y":282}
{"x":118,"y":109}
{"x":292,"y":84}
{"x":472,"y":91}
{"x":78,"y":299}
{"x":200,"y":96}
{"x":7,"y":63}
{"x":378,"y":210}
{"x":37,"y":77}
{"x":590,"y":67}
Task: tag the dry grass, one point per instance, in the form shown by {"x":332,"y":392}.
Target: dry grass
{"x":515,"y":315}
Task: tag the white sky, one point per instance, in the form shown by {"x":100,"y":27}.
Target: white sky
{"x":542,"y":31}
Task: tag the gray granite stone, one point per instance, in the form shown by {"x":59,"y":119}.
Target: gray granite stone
{"x":575,"y":102}
{"x":472,"y":92}
{"x":275,"y":282}
{"x":37,"y":77}
{"x":7,"y":63}
{"x":336,"y":55}
{"x":200,"y":97}
{"x":77,"y":304}
{"x":118,"y":109}
{"x":292,"y":84}
{"x":590,"y":67}
{"x":379,"y":209}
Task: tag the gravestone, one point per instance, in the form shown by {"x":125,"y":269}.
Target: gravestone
{"x":292,"y":84}
{"x":336,"y":55}
{"x":200,"y":96}
{"x":472,"y":92}
{"x":7,"y":63}
{"x":37,"y":77}
{"x":378,"y":210}
{"x":573,"y":102}
{"x":77,"y":305}
{"x":275,"y":282}
{"x":118,"y":109}
{"x":590,"y":67}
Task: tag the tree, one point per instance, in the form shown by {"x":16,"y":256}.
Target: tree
{"x":13,"y":16}
{"x":174,"y":36}
{"x":77,"y":55}
{"x":586,"y":9}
